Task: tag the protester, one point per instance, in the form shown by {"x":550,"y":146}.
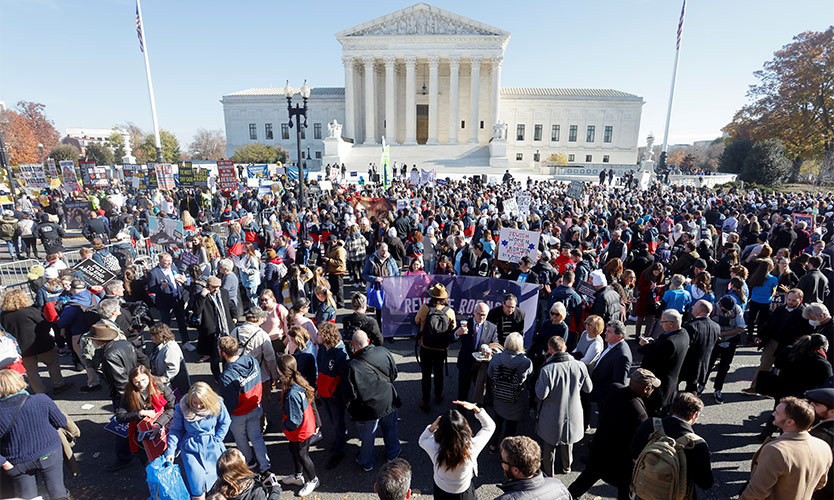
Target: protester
{"x":216,"y":314}
{"x":299,"y":424}
{"x":332,"y":364}
{"x":664,"y":357}
{"x":508,"y":373}
{"x":436,"y":325}
{"x":167,"y":362}
{"x":520,"y":461}
{"x":236,"y":482}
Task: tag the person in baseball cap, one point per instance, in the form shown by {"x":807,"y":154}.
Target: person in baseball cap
{"x":646,"y":377}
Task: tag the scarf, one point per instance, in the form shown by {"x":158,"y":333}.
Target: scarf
{"x":23,"y":391}
{"x":192,"y":415}
{"x":220,"y":315}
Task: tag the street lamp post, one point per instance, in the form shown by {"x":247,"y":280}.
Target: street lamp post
{"x":298,"y":112}
{"x":4,"y":163}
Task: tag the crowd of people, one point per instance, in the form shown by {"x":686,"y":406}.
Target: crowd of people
{"x":259,"y":279}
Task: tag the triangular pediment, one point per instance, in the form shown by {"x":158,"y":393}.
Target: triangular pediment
{"x":422,"y":20}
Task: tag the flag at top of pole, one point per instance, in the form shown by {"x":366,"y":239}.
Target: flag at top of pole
{"x":665,"y":146}
{"x":140,"y":32}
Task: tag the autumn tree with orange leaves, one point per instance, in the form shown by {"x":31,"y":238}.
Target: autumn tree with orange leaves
{"x":29,"y":135}
{"x":794,"y":102}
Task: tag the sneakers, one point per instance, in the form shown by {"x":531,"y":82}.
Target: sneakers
{"x":719,"y":398}
{"x":188,"y":346}
{"x":296,"y":479}
{"x":309,"y":487}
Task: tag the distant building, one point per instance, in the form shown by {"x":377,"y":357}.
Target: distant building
{"x":83,"y":137}
{"x":429,"y":82}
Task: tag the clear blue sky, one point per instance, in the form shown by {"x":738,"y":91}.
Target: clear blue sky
{"x":81,"y":57}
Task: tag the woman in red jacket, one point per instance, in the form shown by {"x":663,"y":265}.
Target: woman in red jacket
{"x":299,"y":423}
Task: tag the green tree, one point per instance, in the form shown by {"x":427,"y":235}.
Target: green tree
{"x":767,"y":163}
{"x":170,"y":148}
{"x":259,"y":153}
{"x":732,"y":159}
{"x":794,"y":101}
{"x":99,"y":153}
{"x":117,"y":142}
{"x":65,"y":153}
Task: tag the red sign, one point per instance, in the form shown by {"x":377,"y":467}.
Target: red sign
{"x":227,"y":175}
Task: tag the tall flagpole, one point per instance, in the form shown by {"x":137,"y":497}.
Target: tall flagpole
{"x":144,"y":47}
{"x":665,"y":146}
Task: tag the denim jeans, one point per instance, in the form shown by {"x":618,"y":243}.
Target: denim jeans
{"x":12,"y":246}
{"x":335,"y":411}
{"x":367,"y":432}
{"x":49,"y":467}
{"x":246,"y":428}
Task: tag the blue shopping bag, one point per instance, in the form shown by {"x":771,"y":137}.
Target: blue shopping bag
{"x":375,"y":296}
{"x":165,"y":481}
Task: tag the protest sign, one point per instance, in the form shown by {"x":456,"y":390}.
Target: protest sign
{"x":523,"y":199}
{"x":585,"y":288}
{"x":227,"y":175}
{"x":68,"y":173}
{"x":513,"y":244}
{"x":52,"y":176}
{"x":373,"y":206}
{"x":511,"y":206}
{"x":257,"y":171}
{"x":165,"y":231}
{"x":116,"y":428}
{"x":806,"y":218}
{"x":414,"y":177}
{"x":426,"y":176}
{"x":402,"y":203}
{"x":201,"y":176}
{"x":326,"y":185}
{"x":575,"y":189}
{"x":33,"y":176}
{"x":405,"y":294}
{"x":84,"y":167}
{"x":186,"y":175}
{"x":164,"y":176}
{"x":93,"y":272}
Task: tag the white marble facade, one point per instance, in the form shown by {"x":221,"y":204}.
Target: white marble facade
{"x":423,"y":75}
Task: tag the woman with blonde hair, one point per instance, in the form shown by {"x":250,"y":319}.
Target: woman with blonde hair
{"x":326,"y":310}
{"x":508,"y":372}
{"x":236,"y":482}
{"x":30,"y":448}
{"x":200,"y":424}
{"x":250,"y":271}
{"x":25,"y":322}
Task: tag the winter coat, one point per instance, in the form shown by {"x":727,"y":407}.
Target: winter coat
{"x":241,"y":386}
{"x":201,"y":444}
{"x":255,"y":342}
{"x":118,"y":358}
{"x":523,"y":368}
{"x":72,"y":315}
{"x":30,"y":329}
{"x":168,"y":364}
{"x":560,"y":410}
{"x":371,"y":396}
{"x":537,"y":487}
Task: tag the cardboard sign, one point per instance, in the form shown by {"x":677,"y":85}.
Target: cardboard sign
{"x":524,"y":199}
{"x":513,"y":244}
{"x":201,"y":178}
{"x":85,"y":166}
{"x":808,"y":219}
{"x":186,"y":175}
{"x":227,"y":175}
{"x":33,"y":176}
{"x":575,"y":189}
{"x":511,"y":206}
{"x":93,"y":272}
{"x":52,"y":175}
{"x":165,"y":231}
{"x":68,"y":173}
{"x":117,"y":428}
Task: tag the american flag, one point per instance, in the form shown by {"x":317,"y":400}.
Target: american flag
{"x":142,"y":42}
{"x":680,"y":26}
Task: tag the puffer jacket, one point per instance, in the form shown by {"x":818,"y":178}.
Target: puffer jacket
{"x":73,"y":313}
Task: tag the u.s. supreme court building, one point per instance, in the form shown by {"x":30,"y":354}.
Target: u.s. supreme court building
{"x":429,"y":82}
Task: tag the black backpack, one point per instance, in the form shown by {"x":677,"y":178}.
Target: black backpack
{"x":437,"y":329}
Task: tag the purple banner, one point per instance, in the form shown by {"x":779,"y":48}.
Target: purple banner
{"x":405,"y":294}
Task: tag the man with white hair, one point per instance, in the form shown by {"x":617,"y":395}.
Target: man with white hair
{"x":820,"y":319}
{"x":664,"y":357}
{"x":703,"y":334}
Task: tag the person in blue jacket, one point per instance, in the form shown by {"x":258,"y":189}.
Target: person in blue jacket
{"x":676,"y":297}
{"x":200,"y":424}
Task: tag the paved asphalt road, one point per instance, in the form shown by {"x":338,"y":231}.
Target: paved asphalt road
{"x":729,"y":429}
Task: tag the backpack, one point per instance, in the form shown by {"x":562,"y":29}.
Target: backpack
{"x":7,"y":230}
{"x":110,"y":262}
{"x":122,"y":256}
{"x":436,"y":329}
{"x":660,"y":472}
{"x":506,"y":385}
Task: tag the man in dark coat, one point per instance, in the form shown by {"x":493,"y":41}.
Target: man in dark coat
{"x":508,"y":317}
{"x":118,"y":358}
{"x":606,"y":299}
{"x":465,"y":261}
{"x":395,"y":247}
{"x":217,"y":315}
{"x":372,"y":398}
{"x":167,"y":285}
{"x":684,"y":413}
{"x":664,"y":357}
{"x":525,"y":272}
{"x":613,"y":364}
{"x":813,"y":283}
{"x":703,"y":334}
{"x":609,"y":457}
{"x":308,"y":254}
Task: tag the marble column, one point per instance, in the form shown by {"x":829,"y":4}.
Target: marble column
{"x":350,"y":105}
{"x":370,"y":99}
{"x":390,"y":109}
{"x":434,"y":61}
{"x":475,"y":85}
{"x":410,"y":105}
{"x":454,"y":79}
{"x":496,"y":89}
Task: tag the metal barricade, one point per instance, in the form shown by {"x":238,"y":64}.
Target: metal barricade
{"x":13,"y":274}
